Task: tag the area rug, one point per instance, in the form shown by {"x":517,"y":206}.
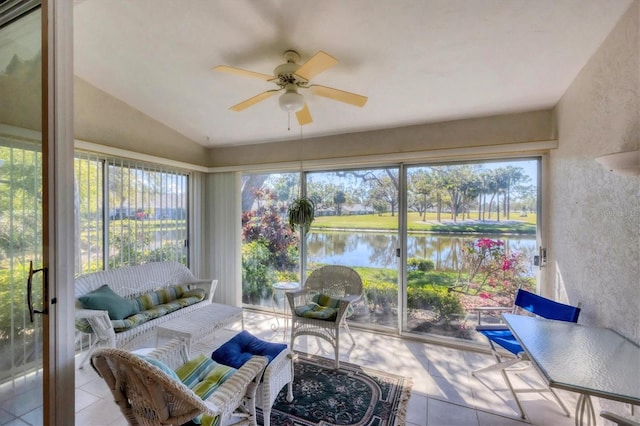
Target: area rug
{"x":352,"y":395}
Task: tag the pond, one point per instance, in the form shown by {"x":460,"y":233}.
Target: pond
{"x":378,"y":250}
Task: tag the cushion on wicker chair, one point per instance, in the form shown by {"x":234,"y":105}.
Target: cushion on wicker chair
{"x":195,"y":370}
{"x":162,"y":366}
{"x":244,"y":345}
{"x":322,"y":307}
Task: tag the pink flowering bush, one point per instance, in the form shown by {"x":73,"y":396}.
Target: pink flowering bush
{"x":490,"y":274}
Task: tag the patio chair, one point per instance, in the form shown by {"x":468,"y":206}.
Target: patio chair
{"x":149,"y":392}
{"x":320,"y":308}
{"x":500,"y":337}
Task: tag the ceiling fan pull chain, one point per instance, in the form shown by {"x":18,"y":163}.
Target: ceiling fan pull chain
{"x":289,"y":120}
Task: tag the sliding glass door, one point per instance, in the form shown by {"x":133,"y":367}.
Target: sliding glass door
{"x":471,"y":242}
{"x":21,"y":214}
{"x":435,"y":244}
{"x":357,"y":225}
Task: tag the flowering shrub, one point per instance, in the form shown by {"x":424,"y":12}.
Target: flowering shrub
{"x":490,"y":273}
{"x":269,"y":248}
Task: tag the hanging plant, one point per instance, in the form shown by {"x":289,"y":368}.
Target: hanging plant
{"x":301,"y":214}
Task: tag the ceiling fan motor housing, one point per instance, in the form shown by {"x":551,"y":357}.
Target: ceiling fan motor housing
{"x":285,"y":74}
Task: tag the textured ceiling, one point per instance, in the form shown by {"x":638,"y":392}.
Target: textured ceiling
{"x":418,"y":61}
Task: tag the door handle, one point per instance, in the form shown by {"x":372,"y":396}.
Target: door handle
{"x":32,"y":272}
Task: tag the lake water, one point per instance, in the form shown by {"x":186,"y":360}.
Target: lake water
{"x":374,"y":249}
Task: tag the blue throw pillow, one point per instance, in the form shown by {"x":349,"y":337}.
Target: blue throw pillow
{"x":241,"y":347}
{"x":105,"y":299}
{"x":162,"y":366}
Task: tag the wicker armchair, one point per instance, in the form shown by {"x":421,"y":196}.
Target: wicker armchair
{"x":146,"y":395}
{"x":343,"y":286}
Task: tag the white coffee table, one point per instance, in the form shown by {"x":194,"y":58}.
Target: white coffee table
{"x":200,"y":324}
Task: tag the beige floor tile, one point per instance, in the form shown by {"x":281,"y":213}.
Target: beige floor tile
{"x":490,"y":419}
{"x":23,"y":403}
{"x":5,"y":417}
{"x":84,"y":399}
{"x":102,"y":412}
{"x":16,"y":422}
{"x":417,"y":409}
{"x":441,"y":413}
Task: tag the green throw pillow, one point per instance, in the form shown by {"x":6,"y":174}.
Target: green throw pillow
{"x":105,"y":299}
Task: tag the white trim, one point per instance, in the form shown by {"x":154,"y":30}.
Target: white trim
{"x":20,"y":133}
{"x":414,"y":157}
{"x":132,"y":155}
{"x":60,"y":351}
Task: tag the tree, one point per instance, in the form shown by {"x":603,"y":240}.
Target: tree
{"x":339,"y":199}
{"x":382,"y":184}
{"x":420,"y":190}
{"x":460,"y":183}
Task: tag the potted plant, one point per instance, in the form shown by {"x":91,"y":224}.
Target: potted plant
{"x":301,"y":214}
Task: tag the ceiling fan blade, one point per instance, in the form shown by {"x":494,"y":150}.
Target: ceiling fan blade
{"x":304,"y":116}
{"x":339,"y":95}
{"x":240,"y":71}
{"x":319,"y":62}
{"x":254,"y":100}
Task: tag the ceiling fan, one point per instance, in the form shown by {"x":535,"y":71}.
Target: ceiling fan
{"x":290,"y":77}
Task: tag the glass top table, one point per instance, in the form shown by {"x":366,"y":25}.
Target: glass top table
{"x":593,"y":361}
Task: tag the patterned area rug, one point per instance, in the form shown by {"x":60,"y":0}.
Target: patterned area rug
{"x":352,"y":395}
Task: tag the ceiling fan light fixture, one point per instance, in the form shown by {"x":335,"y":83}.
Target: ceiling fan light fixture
{"x":291,"y":101}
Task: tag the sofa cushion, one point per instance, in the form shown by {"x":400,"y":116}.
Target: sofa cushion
{"x":149,"y":314}
{"x":161,"y":296}
{"x":194,"y":292}
{"x":105,"y":299}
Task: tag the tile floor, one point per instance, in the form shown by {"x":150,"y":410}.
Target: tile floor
{"x":444,"y":393}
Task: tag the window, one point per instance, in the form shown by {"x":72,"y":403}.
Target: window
{"x":128,"y":213}
{"x":432,"y":242}
{"x":270,"y":251}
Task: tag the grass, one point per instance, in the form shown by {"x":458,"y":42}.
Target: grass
{"x":516,"y":224}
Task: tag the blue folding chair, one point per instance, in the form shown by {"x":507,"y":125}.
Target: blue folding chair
{"x":501,"y":337}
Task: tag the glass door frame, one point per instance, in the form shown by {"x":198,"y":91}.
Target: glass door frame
{"x":58,"y":214}
{"x":542,"y":286}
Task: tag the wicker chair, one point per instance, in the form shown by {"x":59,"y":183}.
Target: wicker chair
{"x":344,"y":286}
{"x":146,"y":395}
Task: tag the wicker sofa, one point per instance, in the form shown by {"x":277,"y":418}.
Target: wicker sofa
{"x":158,"y":291}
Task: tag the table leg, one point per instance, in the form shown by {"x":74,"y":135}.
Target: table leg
{"x":276,"y":326}
{"x":584,"y":407}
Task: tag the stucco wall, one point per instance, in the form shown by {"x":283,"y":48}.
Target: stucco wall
{"x":101,"y":118}
{"x":475,"y":132}
{"x":594,"y":245}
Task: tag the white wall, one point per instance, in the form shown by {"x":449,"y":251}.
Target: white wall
{"x":594,"y":234}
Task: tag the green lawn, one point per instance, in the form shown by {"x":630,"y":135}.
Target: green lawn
{"x":516,"y":224}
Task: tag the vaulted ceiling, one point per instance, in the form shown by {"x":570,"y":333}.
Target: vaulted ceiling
{"x":418,"y":61}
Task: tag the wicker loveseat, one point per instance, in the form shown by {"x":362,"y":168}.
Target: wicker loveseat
{"x":150,"y":294}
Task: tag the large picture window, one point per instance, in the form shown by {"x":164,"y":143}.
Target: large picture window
{"x":128,"y":213}
{"x":438,"y":246}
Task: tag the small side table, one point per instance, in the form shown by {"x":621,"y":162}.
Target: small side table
{"x":282,"y":288}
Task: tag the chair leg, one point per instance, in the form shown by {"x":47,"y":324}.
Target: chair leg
{"x":346,"y":327}
{"x":560,"y":403}
{"x":337,"y":350}
{"x":499,"y":366}
{"x":266,"y":416}
{"x":513,"y":392}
